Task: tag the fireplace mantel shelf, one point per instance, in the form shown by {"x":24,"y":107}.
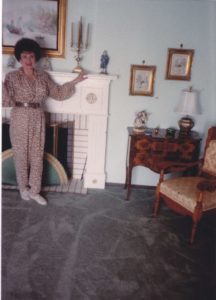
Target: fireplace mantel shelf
{"x":91,"y":98}
{"x":90,"y":75}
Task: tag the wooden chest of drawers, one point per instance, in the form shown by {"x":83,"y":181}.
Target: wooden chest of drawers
{"x":147,"y":149}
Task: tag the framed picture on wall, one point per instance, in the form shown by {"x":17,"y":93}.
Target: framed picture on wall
{"x":41,"y":20}
{"x":142,"y":80}
{"x":179,"y":64}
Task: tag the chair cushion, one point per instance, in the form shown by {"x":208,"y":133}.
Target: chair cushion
{"x":184,"y":191}
{"x":210,"y":159}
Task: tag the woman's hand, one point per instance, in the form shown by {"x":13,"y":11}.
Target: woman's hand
{"x":82,"y":76}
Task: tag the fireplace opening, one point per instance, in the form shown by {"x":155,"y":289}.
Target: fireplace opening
{"x":72,"y":136}
{"x":66,"y":140}
{"x":65,"y":145}
{"x":56,"y":143}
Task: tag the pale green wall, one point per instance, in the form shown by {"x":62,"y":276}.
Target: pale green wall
{"x":136,"y":30}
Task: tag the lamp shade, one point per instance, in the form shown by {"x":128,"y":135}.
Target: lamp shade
{"x":189,"y":103}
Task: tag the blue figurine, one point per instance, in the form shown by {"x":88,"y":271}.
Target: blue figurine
{"x":104,"y":62}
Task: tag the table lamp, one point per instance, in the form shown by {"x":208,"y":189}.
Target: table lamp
{"x":188,"y":105}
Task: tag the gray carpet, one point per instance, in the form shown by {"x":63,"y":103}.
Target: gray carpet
{"x":100,"y":247}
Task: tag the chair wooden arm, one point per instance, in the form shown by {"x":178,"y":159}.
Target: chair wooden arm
{"x":172,"y":166}
{"x":207,"y":185}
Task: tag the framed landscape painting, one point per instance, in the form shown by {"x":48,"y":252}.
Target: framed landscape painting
{"x":41,"y":20}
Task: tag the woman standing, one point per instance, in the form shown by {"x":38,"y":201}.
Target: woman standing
{"x":25,"y":90}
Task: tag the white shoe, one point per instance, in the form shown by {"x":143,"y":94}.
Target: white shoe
{"x":39,"y":199}
{"x":25,"y":195}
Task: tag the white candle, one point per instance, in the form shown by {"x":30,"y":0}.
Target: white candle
{"x":87,"y":36}
{"x":80,"y":33}
{"x":72,"y":35}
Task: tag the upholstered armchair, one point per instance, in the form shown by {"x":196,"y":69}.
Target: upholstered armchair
{"x":190,"y":195}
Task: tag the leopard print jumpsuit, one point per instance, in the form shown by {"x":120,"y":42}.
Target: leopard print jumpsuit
{"x":27,"y":125}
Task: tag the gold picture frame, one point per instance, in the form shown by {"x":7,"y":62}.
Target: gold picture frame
{"x":43,"y":21}
{"x":142,"y":79}
{"x":179,"y":64}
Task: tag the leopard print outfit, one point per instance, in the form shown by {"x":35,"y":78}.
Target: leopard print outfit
{"x":27,"y":125}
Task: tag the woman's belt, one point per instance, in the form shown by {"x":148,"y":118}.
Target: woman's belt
{"x":27,"y":104}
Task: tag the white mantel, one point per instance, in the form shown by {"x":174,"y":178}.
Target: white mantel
{"x":92,"y":99}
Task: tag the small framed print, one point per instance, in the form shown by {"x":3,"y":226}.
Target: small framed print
{"x":142,"y":80}
{"x":179,"y":64}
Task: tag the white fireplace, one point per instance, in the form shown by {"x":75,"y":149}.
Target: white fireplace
{"x":91,"y":100}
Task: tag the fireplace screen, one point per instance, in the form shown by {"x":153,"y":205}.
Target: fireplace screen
{"x":56,"y":142}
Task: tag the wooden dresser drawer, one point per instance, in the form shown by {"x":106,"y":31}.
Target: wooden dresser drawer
{"x":148,"y":150}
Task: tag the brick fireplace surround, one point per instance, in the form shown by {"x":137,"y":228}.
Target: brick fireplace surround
{"x":88,"y":105}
